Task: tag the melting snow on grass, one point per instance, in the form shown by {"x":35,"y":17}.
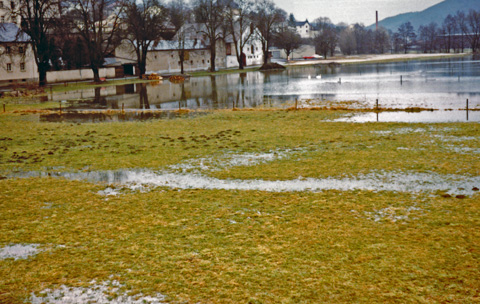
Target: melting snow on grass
{"x":412,"y":182}
{"x":376,"y":181}
{"x":96,"y":293}
{"x":18,"y":251}
{"x":394,"y":214}
{"x":229,"y":160}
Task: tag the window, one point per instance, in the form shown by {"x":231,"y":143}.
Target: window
{"x":21,"y":50}
{"x":9,"y":67}
{"x":22,"y":66}
{"x":229,"y":48}
{"x":8,"y":50}
{"x":12,"y":5}
{"x":1,"y":4}
{"x":253,"y":49}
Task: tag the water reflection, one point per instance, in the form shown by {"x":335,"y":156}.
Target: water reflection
{"x":82,"y":117}
{"x":420,"y":117}
{"x":439,"y":84}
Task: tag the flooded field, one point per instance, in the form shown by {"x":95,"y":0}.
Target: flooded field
{"x":241,"y":206}
{"x":438,"y":84}
{"x":411,"y":182}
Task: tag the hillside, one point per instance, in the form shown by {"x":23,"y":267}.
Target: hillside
{"x":436,"y":13}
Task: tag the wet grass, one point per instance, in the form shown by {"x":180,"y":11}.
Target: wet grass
{"x":240,"y":247}
{"x":215,"y":246}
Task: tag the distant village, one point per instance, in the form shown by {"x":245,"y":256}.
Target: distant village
{"x":48,"y":41}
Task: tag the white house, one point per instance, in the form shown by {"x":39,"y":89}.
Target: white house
{"x":252,"y":53}
{"x":305,"y":29}
{"x":17,"y":61}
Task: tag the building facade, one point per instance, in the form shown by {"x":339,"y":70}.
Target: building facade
{"x":17,"y":61}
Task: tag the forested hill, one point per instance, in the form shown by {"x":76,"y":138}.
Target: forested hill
{"x":436,"y":13}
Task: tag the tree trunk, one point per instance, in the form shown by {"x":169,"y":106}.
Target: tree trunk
{"x":42,"y":75}
{"x":144,"y":104}
{"x":212,"y":58}
{"x":142,"y":69}
{"x":96,"y":74}
{"x":265,"y":53}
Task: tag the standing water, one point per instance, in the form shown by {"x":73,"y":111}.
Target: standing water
{"x":442,"y":84}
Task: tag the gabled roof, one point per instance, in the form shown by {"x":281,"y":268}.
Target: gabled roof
{"x":9,"y":32}
{"x":190,"y":44}
{"x":301,"y":23}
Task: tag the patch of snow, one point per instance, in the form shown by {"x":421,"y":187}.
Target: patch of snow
{"x":229,"y":160}
{"x":19,"y":251}
{"x":392,"y":214}
{"x":375,"y":181}
{"x":96,"y":293}
{"x":109,"y":191}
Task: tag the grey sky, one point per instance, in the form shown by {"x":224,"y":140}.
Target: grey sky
{"x":352,"y":11}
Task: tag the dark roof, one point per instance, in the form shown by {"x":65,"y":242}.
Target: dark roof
{"x":9,"y":32}
{"x":301,"y":23}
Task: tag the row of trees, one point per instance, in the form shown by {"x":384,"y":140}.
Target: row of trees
{"x":457,"y":32}
{"x":75,"y":33}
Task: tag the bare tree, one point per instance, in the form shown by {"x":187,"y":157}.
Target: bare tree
{"x":267,"y":18}
{"x":347,"y":41}
{"x":322,"y":23}
{"x":473,"y":30}
{"x":461,"y":20}
{"x":208,"y":13}
{"x":98,"y":23}
{"x":449,"y":28}
{"x":39,"y":19}
{"x":407,"y":36}
{"x":326,"y":40}
{"x":382,"y":41}
{"x":180,"y":12}
{"x":239,"y":23}
{"x":428,"y":37}
{"x":287,"y":39}
{"x":144,"y":24}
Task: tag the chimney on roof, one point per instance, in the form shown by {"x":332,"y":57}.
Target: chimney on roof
{"x":376,"y":18}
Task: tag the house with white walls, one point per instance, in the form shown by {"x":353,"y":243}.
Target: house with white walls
{"x":17,"y":61}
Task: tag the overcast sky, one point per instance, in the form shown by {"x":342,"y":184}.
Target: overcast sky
{"x":351,"y":11}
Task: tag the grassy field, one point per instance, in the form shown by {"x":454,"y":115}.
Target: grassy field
{"x":241,"y":246}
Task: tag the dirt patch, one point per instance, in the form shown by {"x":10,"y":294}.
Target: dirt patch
{"x":272,"y":66}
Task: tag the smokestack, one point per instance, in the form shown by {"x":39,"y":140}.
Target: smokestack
{"x":376,"y":17}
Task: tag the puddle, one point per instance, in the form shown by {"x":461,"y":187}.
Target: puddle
{"x":400,"y":131}
{"x":96,"y":293}
{"x":394,"y":214}
{"x":95,"y":117}
{"x":411,"y":182}
{"x":19,"y":251}
{"x":229,"y":160}
{"x":417,"y":117}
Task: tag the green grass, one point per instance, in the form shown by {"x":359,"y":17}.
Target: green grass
{"x":216,"y":246}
